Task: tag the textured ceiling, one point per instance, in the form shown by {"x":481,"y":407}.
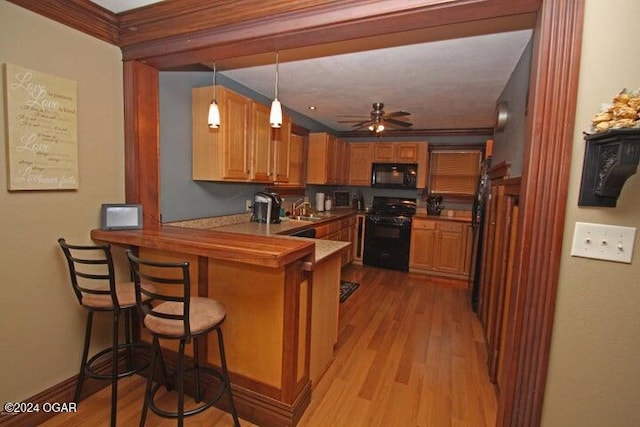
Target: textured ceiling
{"x":447,"y":84}
{"x":443,"y":84}
{"x":117,"y":6}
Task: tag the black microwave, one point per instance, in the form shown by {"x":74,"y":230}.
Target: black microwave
{"x":394,"y":175}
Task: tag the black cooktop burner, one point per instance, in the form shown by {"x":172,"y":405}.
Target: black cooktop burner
{"x":393,"y":206}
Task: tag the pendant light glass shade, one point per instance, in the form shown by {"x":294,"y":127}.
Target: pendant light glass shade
{"x":214,"y":115}
{"x":214,"y":112}
{"x":275,"y":118}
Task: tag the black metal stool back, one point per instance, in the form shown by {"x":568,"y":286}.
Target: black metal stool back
{"x":175,"y":314}
{"x":92,"y":275}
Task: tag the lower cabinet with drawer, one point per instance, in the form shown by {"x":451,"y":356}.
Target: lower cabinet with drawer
{"x":441,"y":247}
{"x":340,"y":230}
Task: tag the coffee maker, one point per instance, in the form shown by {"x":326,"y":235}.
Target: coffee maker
{"x":266,"y":208}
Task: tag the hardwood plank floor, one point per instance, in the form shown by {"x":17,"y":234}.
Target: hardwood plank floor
{"x":410,"y":353}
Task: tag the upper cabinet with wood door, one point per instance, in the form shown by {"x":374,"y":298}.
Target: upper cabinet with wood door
{"x":245,"y":148}
{"x":223,"y":153}
{"x":397,"y":152}
{"x":282,"y":151}
{"x":362,"y":155}
{"x":360,"y":159}
{"x":323,"y":159}
{"x":296,"y":161}
{"x":261,"y":146}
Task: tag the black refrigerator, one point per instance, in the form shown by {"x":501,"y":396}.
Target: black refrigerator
{"x":478,"y":215}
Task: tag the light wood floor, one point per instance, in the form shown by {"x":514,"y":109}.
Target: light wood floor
{"x":410,"y":353}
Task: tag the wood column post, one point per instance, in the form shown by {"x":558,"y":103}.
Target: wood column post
{"x":553,"y":92}
{"x":142,"y":139}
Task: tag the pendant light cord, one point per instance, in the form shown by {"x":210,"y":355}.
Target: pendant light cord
{"x":277,"y":74}
{"x":214,"y":81}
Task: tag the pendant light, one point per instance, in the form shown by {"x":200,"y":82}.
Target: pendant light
{"x":214,"y":112}
{"x":275,"y":118}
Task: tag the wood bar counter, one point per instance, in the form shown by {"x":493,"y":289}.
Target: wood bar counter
{"x":265,"y":284}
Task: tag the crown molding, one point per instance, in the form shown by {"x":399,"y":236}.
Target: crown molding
{"x":82,"y":15}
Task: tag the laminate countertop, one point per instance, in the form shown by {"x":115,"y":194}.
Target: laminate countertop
{"x":323,"y":248}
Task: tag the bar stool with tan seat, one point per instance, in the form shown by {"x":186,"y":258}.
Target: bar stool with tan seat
{"x":176,"y":315}
{"x":92,"y":274}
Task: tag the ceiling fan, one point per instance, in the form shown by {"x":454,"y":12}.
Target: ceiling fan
{"x":379,"y":120}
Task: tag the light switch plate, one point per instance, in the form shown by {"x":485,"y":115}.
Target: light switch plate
{"x":601,"y":241}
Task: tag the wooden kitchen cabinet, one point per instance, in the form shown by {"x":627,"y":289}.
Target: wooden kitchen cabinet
{"x":450,"y":247}
{"x":360,"y":159}
{"x":423,"y":165}
{"x":221,"y":154}
{"x":281,"y":138}
{"x":347,"y":233}
{"x":245,"y":148}
{"x":296,"y":160}
{"x":323,"y":159}
{"x":498,"y":254}
{"x":261,"y":146}
{"x":397,"y":152}
{"x":344,"y":161}
{"x":342,"y":230}
{"x":441,"y":247}
{"x":325,"y":290}
{"x":423,"y":236}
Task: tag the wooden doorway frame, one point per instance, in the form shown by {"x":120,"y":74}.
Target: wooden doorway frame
{"x":550,"y":124}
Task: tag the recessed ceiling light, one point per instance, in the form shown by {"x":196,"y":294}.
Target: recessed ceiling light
{"x":312,"y":107}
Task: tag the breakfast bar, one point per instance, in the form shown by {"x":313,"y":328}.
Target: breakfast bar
{"x":267,"y":285}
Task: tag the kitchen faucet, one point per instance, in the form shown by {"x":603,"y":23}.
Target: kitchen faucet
{"x":299,"y":206}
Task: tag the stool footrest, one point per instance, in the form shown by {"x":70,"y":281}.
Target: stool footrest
{"x":205,"y":405}
{"x":123,"y":352}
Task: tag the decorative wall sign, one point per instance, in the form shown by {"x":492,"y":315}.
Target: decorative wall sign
{"x":42,"y":129}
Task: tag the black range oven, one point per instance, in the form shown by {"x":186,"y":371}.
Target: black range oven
{"x":387,"y":236}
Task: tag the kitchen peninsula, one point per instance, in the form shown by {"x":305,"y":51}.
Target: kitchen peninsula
{"x":281,"y":296}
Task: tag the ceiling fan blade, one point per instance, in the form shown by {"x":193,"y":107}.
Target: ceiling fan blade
{"x":362,"y":124}
{"x":394,"y":122}
{"x":398,"y":114}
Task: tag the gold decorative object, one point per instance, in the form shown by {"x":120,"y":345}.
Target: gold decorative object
{"x":622,"y":112}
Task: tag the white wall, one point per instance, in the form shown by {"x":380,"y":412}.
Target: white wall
{"x":41,"y":323}
{"x":594,"y":370}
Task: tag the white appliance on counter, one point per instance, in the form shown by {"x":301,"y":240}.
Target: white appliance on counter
{"x":319,"y":202}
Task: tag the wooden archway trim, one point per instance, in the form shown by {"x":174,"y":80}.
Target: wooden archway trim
{"x":553,"y":89}
{"x":550,"y":124}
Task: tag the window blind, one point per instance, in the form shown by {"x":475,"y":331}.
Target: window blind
{"x":454,"y":172}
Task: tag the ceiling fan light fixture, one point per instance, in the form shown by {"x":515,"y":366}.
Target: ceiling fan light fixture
{"x":275,"y":117}
{"x":376,"y":127}
{"x":213,"y":118}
